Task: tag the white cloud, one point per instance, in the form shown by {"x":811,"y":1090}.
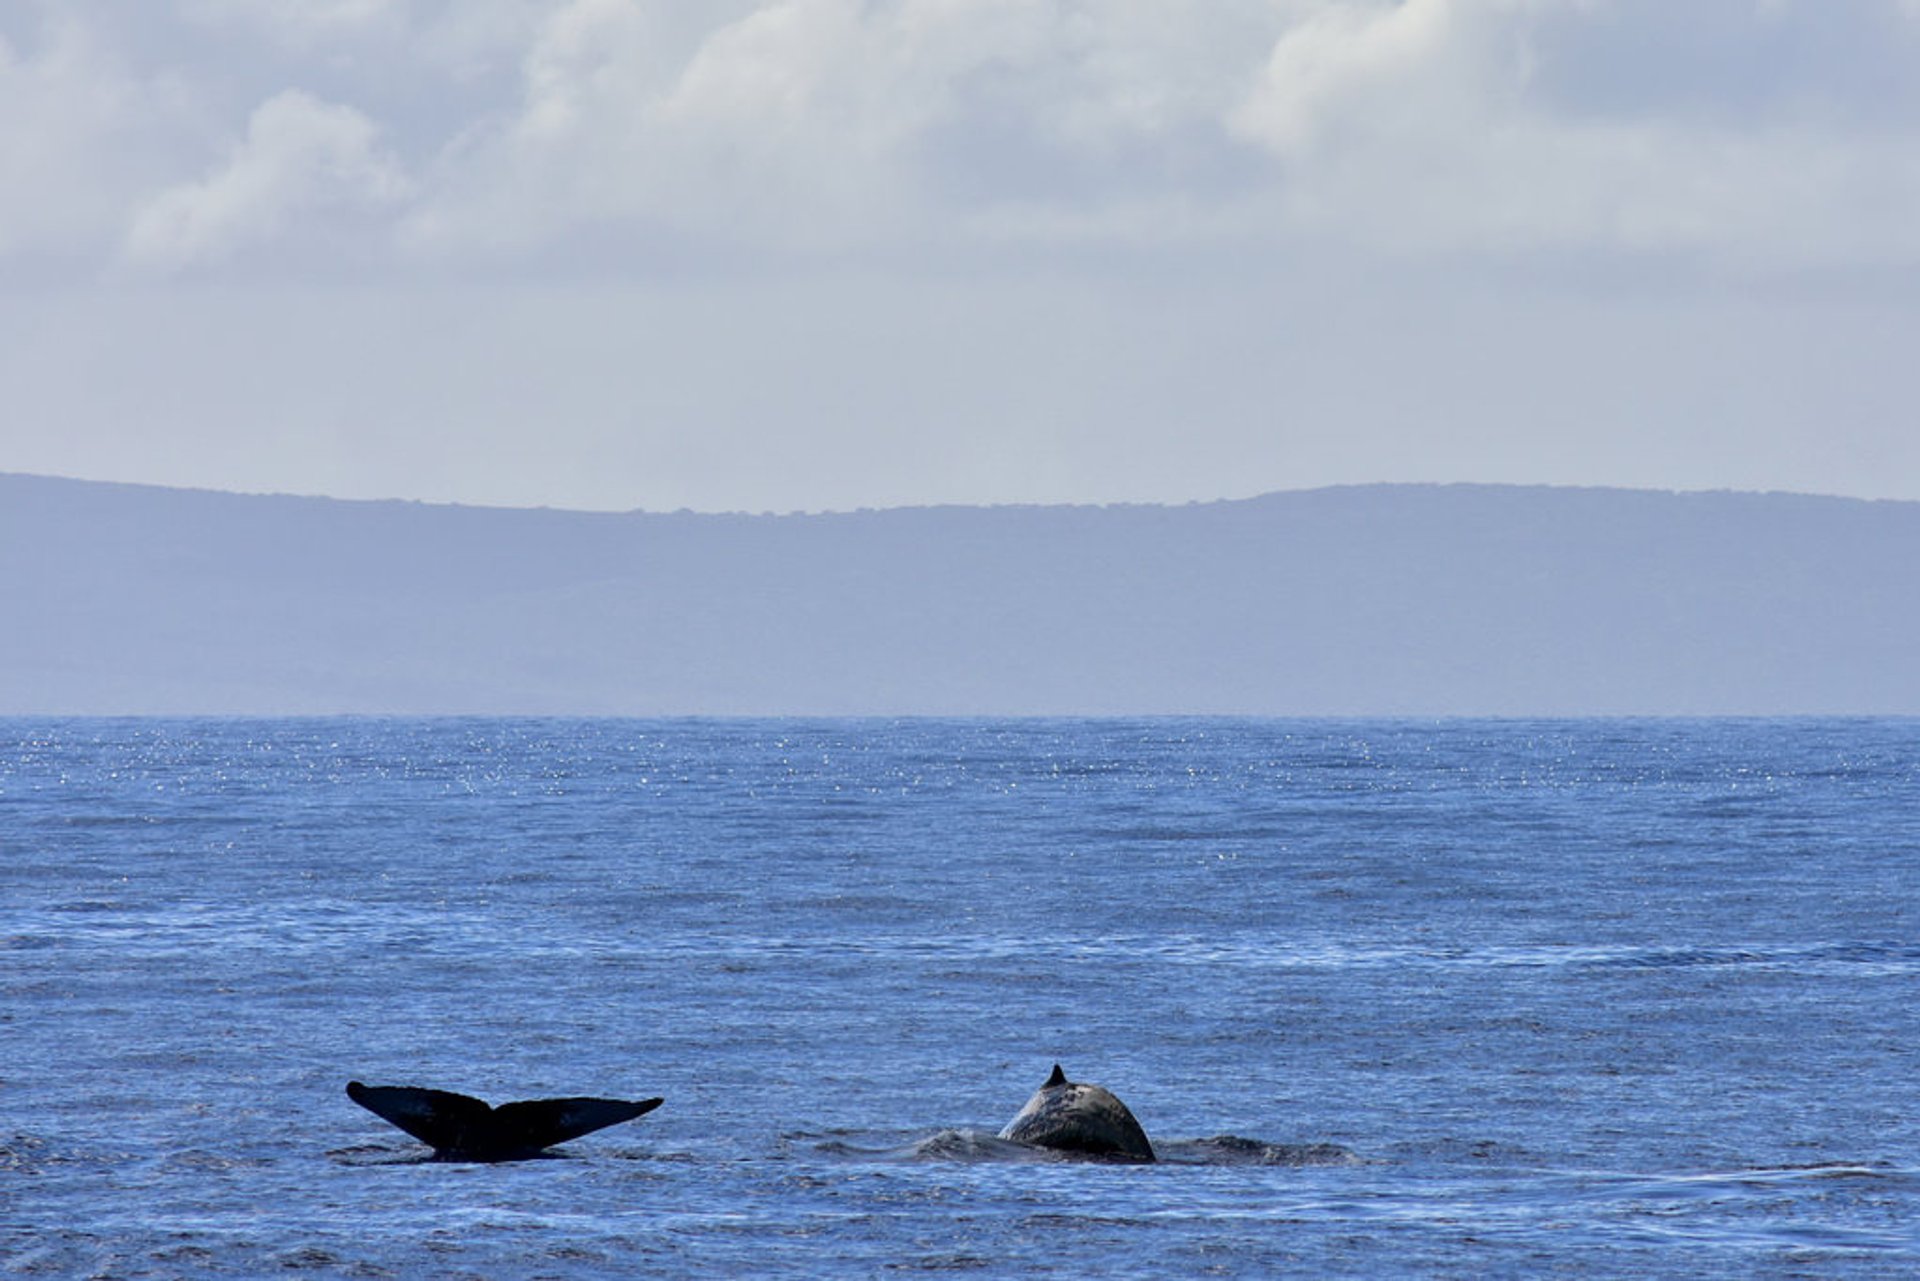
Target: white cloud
{"x":1422,"y":125}
{"x":80,"y":132}
{"x":469,"y":37}
{"x":1413,"y":125}
{"x":300,"y":155}
{"x":784,"y":120}
{"x":305,"y":22}
{"x":1419,"y":67}
{"x":826,"y":122}
{"x":784,"y":126}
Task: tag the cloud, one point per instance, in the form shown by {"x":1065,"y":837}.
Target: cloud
{"x":832,"y":123}
{"x":785,"y":122}
{"x":83,"y":132}
{"x":1418,"y":67}
{"x":1773,"y":135}
{"x":301,"y":156}
{"x":304,"y":22}
{"x":1416,"y":126}
{"x":1439,"y":125}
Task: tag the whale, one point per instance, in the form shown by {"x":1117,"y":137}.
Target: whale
{"x":461,"y":1128}
{"x":1074,"y":1117}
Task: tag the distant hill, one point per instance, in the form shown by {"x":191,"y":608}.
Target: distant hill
{"x":1409,"y":600}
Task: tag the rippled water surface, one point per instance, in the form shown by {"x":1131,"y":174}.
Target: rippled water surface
{"x":1468,"y":998}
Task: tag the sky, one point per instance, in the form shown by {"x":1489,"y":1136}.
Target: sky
{"x":802,"y":255}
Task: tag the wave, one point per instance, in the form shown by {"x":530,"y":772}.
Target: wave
{"x":980,"y":1146}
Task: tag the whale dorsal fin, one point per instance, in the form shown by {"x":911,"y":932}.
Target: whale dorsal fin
{"x":1059,"y":1077}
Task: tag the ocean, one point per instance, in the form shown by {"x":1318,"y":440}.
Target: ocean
{"x":1453,"y":998}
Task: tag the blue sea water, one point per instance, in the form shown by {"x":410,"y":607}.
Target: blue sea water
{"x":1600,"y":998}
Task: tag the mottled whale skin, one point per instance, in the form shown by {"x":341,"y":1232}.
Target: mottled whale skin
{"x":460,"y":1128}
{"x":1071,"y":1116}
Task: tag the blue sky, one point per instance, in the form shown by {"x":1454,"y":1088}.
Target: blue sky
{"x":812,"y":254}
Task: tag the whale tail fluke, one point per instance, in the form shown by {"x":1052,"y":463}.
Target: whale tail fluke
{"x":541,"y":1123}
{"x":438,"y":1118}
{"x":466,"y":1128}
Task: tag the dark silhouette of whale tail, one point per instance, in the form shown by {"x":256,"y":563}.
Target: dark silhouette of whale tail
{"x":459,"y":1127}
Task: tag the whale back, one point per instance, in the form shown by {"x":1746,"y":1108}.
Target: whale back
{"x":1072,"y":1116}
{"x":464,"y":1128}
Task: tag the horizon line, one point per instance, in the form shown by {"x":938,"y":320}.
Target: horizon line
{"x":1017,"y":505}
